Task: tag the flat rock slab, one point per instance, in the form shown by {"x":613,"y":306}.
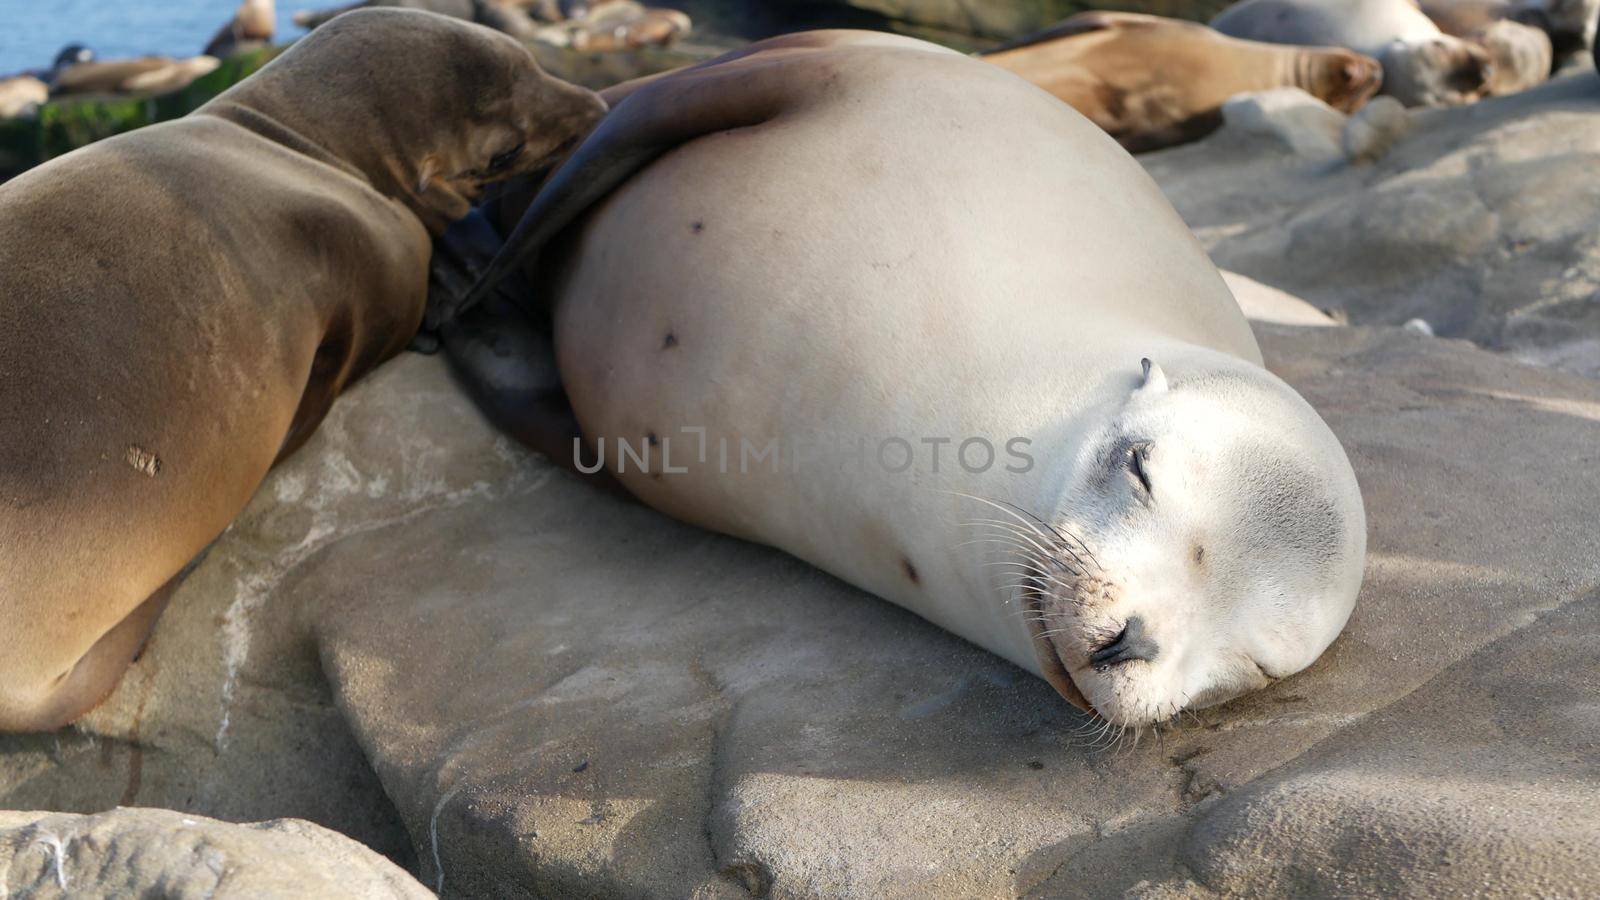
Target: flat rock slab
{"x":567,"y":694}
{"x":1483,"y":220}
{"x":161,"y":853}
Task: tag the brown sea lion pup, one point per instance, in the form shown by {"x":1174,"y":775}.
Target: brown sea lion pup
{"x":180,"y":305}
{"x":20,"y":94}
{"x":1152,"y":82}
{"x":251,"y":28}
{"x":491,"y":13}
{"x":145,"y":74}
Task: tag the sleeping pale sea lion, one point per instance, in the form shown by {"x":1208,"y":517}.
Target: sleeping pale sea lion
{"x":182,"y":304}
{"x":1152,"y":82}
{"x":884,"y":306}
{"x":1422,"y":66}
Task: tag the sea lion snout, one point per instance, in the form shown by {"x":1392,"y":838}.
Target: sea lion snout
{"x":1132,"y":643}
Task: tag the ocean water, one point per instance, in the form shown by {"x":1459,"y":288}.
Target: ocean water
{"x":32,"y":31}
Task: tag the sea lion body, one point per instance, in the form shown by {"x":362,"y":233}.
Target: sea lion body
{"x":490,"y":13}
{"x":1151,"y":82}
{"x":1421,"y":65}
{"x":20,"y":94}
{"x":182,"y":304}
{"x":893,"y":244}
{"x":251,"y":28}
{"x":145,"y":74}
{"x":617,"y":25}
{"x":1520,"y":47}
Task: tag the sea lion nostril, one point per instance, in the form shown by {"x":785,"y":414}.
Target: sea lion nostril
{"x":1129,"y":644}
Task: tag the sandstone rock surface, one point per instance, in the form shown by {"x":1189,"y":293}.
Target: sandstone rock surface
{"x":1481,"y":220}
{"x":160,"y":853}
{"x":566,"y":694}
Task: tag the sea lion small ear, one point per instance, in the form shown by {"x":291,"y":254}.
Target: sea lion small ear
{"x":1155,"y":380}
{"x":430,"y":171}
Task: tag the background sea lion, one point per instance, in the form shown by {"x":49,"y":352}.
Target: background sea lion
{"x":20,"y":94}
{"x":120,"y":76}
{"x":1152,"y":82}
{"x":1523,"y":55}
{"x":251,"y":28}
{"x":490,"y":13}
{"x":617,"y":25}
{"x":870,"y":238}
{"x":182,"y":303}
{"x":1422,"y":66}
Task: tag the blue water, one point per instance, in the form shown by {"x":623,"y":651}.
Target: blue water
{"x":32,"y":31}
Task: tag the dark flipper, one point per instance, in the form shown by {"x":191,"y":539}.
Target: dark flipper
{"x":654,"y":119}
{"x":503,"y":357}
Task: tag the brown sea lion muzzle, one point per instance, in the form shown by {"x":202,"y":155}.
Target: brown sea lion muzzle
{"x":1050,"y":664}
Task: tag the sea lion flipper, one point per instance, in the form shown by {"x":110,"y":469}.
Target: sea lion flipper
{"x":655,"y":118}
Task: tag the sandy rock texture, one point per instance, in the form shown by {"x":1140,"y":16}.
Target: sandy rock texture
{"x":1481,"y":220}
{"x":563,"y":694}
{"x":161,"y":853}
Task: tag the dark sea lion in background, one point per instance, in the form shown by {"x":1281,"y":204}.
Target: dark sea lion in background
{"x":145,"y":74}
{"x":869,"y":237}
{"x":251,"y":28}
{"x":1569,"y":23}
{"x":180,"y":305}
{"x":1422,"y":66}
{"x":1152,"y":82}
{"x":491,"y":13}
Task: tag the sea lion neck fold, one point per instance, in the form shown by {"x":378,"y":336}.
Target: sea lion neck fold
{"x":374,"y":88}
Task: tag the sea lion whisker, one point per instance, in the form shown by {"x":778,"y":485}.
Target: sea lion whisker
{"x":1053,"y":537}
{"x":1051,"y":546}
{"x":1031,"y":537}
{"x":1059,"y":534}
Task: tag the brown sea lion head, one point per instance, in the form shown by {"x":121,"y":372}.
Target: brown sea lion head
{"x":428,"y":108}
{"x":1343,"y":79}
{"x":1439,"y":71}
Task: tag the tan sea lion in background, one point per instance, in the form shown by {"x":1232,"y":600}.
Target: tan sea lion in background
{"x":20,"y":94}
{"x":145,"y":74}
{"x":182,"y":304}
{"x":870,"y":239}
{"x":491,"y":13}
{"x":1523,"y":54}
{"x":1152,"y":82}
{"x":617,"y":25}
{"x":251,"y":28}
{"x":1422,"y":66}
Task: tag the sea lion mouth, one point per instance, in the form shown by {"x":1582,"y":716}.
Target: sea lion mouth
{"x":556,"y":156}
{"x":1050,"y":664}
